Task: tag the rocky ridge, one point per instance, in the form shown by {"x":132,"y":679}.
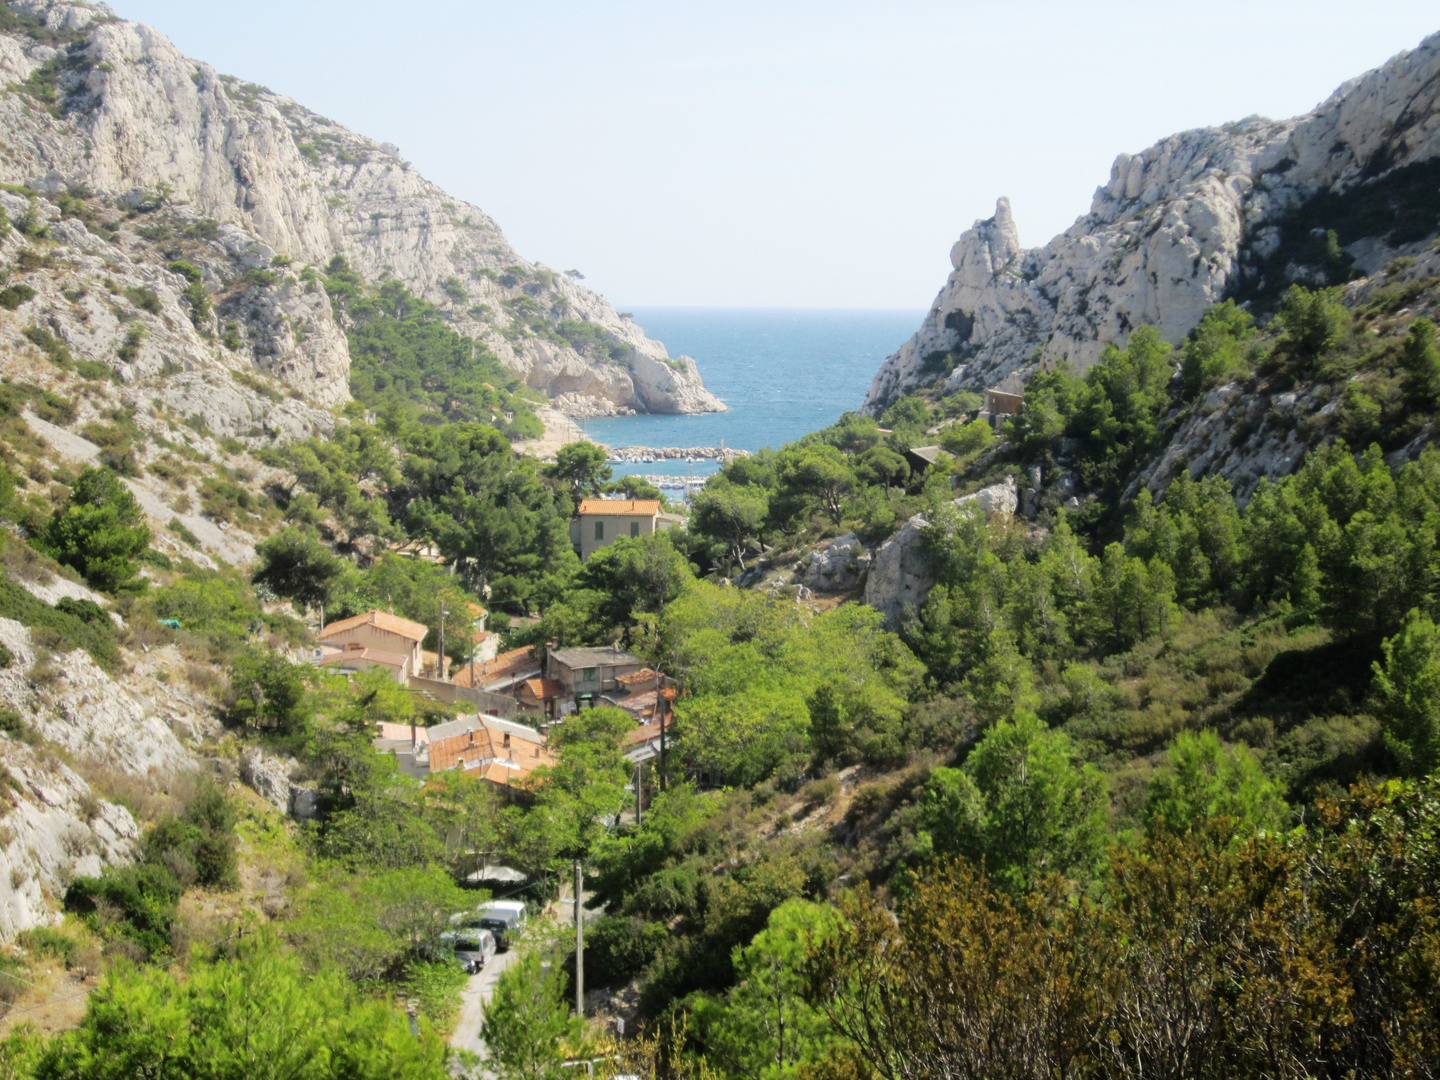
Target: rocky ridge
{"x":111,"y":107}
{"x":1199,"y":216}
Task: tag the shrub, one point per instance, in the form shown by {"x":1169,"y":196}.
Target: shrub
{"x":12,"y":723}
{"x":12,"y":296}
{"x":620,"y":947}
{"x":51,"y":346}
{"x":144,"y":299}
{"x":819,"y":792}
{"x":268,"y":692}
{"x":45,"y":941}
{"x":129,"y":350}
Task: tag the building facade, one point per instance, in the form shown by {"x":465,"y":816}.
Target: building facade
{"x":599,"y":522}
{"x":585,"y":674}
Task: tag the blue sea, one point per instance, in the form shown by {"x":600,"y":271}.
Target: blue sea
{"x":783,"y":372}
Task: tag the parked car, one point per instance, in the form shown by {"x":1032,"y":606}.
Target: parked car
{"x":503,"y":918}
{"x":472,"y":947}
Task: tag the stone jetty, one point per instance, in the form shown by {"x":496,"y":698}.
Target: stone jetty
{"x":676,"y":452}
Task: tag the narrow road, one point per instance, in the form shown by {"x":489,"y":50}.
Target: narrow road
{"x":466,"y":1035}
{"x":472,"y":1004}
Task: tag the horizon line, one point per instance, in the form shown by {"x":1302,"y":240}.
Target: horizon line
{"x":761,"y":307}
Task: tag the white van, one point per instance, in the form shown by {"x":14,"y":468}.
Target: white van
{"x":472,"y":947}
{"x":503,"y":918}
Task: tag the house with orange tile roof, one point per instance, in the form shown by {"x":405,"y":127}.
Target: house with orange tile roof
{"x":599,"y":522}
{"x":355,"y":657}
{"x":500,"y":751}
{"x":540,"y":695}
{"x":382,"y":632}
{"x":501,"y":673}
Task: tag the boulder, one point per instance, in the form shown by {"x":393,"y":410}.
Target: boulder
{"x":900,"y":573}
{"x":269,"y":777}
{"x":838,"y":567}
{"x":996,"y":499}
{"x":304,"y":803}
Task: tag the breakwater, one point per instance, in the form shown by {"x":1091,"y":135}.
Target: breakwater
{"x":674,"y":453}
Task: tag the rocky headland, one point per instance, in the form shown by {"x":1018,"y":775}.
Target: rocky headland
{"x":1196,"y":218}
{"x":105,"y":117}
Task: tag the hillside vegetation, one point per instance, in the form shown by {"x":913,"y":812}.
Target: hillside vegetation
{"x":1140,"y":779}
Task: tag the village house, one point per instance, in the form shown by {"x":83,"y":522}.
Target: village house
{"x":586,"y":674}
{"x":599,"y":522}
{"x":541,"y":695}
{"x":500,"y":751}
{"x":499,"y":674}
{"x":920,"y":458}
{"x":1000,"y":405}
{"x":353,"y":658}
{"x":375,"y":639}
{"x":638,"y":694}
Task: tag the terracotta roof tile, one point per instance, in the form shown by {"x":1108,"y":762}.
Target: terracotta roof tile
{"x":621,"y":507}
{"x":645,"y":732}
{"x":645,"y":674}
{"x":381,"y":620}
{"x":505,"y":666}
{"x":545,"y":689}
{"x":375,"y":656}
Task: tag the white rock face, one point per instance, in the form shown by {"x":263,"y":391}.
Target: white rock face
{"x":1165,"y":237}
{"x":90,"y":714}
{"x":995,"y":499}
{"x":900,"y":573}
{"x":140,"y":118}
{"x":838,"y":567}
{"x":268,"y":776}
{"x":52,"y":831}
{"x":900,"y":577}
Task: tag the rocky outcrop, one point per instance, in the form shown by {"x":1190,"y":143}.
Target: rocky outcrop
{"x":52,"y":830}
{"x":900,"y":575}
{"x":1199,"y":216}
{"x":74,"y":704}
{"x":900,"y":578}
{"x":839,"y":566}
{"x":996,"y":499}
{"x":133,"y":119}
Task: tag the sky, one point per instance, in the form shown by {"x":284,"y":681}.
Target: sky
{"x":786,"y":153}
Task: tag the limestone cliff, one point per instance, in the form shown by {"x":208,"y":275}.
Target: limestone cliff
{"x":1199,"y":216}
{"x":103,"y":108}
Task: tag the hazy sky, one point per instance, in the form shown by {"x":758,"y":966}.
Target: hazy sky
{"x":781,"y":153}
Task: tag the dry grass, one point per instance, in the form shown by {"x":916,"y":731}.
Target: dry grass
{"x":27,"y":564}
{"x":206,"y":679}
{"x":148,"y":798}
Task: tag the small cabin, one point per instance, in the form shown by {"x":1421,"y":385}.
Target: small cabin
{"x":1000,"y":405}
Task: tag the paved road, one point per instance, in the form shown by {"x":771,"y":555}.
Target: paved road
{"x":477,"y":994}
{"x":472,"y":1004}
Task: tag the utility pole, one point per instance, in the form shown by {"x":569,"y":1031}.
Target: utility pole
{"x":639,"y":765}
{"x":440,"y":661}
{"x":579,"y":943}
{"x":663,"y":706}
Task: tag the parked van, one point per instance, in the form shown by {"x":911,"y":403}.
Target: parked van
{"x":472,"y":947}
{"x":503,"y":918}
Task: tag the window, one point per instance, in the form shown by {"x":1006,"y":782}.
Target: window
{"x":599,"y":530}
{"x":506,"y":741}
{"x":588,"y":675}
{"x":634,"y":528}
